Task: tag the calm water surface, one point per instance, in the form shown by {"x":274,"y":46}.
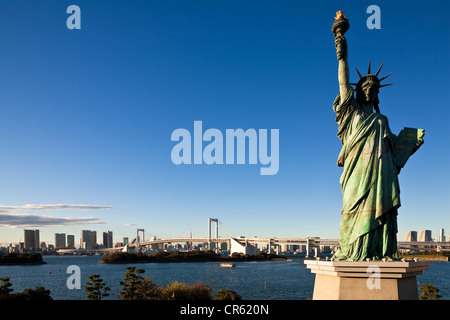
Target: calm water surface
{"x":278,"y":280}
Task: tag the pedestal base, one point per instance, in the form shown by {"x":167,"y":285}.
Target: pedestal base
{"x":344,"y":280}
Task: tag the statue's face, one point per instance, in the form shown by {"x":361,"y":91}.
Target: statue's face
{"x":369,"y":92}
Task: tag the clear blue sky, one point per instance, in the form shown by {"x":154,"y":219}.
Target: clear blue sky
{"x":86,"y":115}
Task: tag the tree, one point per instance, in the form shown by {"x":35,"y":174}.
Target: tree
{"x":39,"y":293}
{"x":137,"y":287}
{"x":429,"y":292}
{"x":5,"y":288}
{"x":147,"y":290}
{"x":96,"y":287}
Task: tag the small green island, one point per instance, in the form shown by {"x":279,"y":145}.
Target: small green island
{"x":188,"y":256}
{"x":21,"y":259}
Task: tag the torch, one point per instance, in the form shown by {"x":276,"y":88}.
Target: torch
{"x":340,"y":26}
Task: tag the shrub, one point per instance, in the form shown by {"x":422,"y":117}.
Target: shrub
{"x":226,"y":294}
{"x":429,"y":292}
{"x":38,"y":294}
{"x":180,"y":291}
{"x":137,"y":287}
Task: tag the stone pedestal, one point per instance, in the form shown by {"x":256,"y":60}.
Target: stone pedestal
{"x":374,"y":280}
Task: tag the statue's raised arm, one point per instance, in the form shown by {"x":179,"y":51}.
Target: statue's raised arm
{"x":340,"y":26}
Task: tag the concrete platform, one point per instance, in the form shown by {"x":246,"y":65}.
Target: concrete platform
{"x":374,"y":280}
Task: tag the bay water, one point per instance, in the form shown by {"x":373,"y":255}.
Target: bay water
{"x":259,"y":280}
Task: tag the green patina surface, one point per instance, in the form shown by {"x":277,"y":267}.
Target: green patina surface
{"x":371,"y":157}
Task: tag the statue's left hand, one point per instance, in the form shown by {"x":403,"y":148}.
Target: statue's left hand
{"x":419,"y":142}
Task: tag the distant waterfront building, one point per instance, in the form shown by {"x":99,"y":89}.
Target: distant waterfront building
{"x":60,"y":240}
{"x":441,"y":235}
{"x":107,"y":239}
{"x":125,"y":241}
{"x":246,"y":248}
{"x":71,"y":241}
{"x":425,"y":235}
{"x":411,"y":236}
{"x":31,"y":239}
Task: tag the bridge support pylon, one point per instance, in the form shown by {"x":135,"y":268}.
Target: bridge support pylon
{"x":216,"y":221}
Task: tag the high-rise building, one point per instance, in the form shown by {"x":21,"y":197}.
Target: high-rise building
{"x":411,"y":236}
{"x":60,"y":240}
{"x":31,"y":239}
{"x":88,"y":239}
{"x":425,"y":235}
{"x":107,"y":239}
{"x":125,"y":241}
{"x":71,"y":241}
{"x":93,"y":239}
{"x":441,"y":235}
{"x":85,"y":241}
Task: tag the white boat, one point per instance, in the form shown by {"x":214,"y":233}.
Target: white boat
{"x":227,"y":265}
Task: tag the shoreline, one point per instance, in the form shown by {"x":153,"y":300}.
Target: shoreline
{"x":187,"y":260}
{"x":176,"y":257}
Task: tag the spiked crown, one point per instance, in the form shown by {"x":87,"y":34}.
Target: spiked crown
{"x":371,"y":78}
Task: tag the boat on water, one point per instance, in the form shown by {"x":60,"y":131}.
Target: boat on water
{"x":227,"y":265}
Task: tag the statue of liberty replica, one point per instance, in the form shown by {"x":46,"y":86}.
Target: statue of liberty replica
{"x":371,"y":157}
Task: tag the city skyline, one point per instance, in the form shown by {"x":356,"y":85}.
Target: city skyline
{"x":31,"y":240}
{"x":410,"y":235}
{"x":88,"y":114}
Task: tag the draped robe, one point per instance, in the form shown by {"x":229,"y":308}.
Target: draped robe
{"x":369,"y":182}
